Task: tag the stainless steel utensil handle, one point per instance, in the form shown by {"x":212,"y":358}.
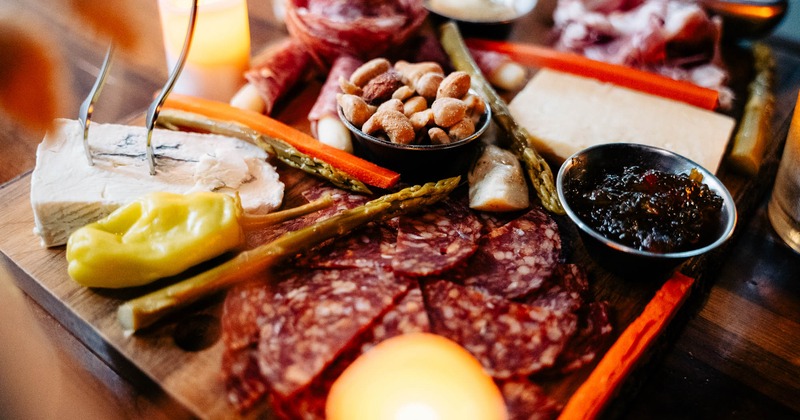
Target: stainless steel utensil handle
{"x":87,"y":107}
{"x":155,"y":107}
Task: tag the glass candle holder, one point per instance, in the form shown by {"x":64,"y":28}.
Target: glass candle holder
{"x":220,"y":50}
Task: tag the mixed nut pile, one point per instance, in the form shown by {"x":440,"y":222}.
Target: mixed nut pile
{"x":410,"y":103}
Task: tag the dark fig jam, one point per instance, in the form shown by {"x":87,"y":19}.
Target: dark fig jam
{"x":649,"y":209}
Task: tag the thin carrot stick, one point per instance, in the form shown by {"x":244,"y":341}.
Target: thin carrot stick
{"x":537,"y":56}
{"x":604,"y":381}
{"x":360,"y":169}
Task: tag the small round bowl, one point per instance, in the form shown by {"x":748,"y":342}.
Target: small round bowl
{"x":479,"y":22}
{"x":611,"y":158}
{"x":418,"y":163}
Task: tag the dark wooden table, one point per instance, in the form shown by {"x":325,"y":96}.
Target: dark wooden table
{"x":735,"y":353}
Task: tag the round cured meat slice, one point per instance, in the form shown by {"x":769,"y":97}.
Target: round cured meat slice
{"x":564,"y":290}
{"x":244,"y":385}
{"x":436,"y":241}
{"x":594,"y":332}
{"x":509,"y":339}
{"x":527,"y":401}
{"x":371,"y":246}
{"x":514,"y":260}
{"x":313,"y":316}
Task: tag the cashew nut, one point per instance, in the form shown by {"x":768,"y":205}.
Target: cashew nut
{"x":396,"y":126}
{"x":420,"y":120}
{"x":461,"y":129}
{"x":403,"y":92}
{"x":355,"y":109}
{"x":428,"y":85}
{"x":455,"y":85}
{"x":414,"y":105}
{"x":438,"y":136}
{"x":411,"y":72}
{"x":369,"y":70}
{"x":348,"y":87}
{"x":391,"y":104}
{"x":448,"y":111}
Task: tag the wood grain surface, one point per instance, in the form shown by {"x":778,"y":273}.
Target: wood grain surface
{"x":732,"y":352}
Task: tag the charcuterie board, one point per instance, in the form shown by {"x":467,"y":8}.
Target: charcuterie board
{"x":189,"y":371}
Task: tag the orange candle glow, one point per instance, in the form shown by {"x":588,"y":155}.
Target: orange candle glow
{"x":220,"y":49}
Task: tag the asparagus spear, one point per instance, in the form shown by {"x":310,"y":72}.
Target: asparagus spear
{"x":752,"y":137}
{"x":143,"y":311}
{"x":537,"y":169}
{"x":174,"y":119}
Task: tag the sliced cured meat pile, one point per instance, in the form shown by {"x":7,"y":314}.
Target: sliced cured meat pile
{"x":362,"y":28}
{"x":674,"y":38}
{"x":497,"y":288}
{"x":436,"y":241}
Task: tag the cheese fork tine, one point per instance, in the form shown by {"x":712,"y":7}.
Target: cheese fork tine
{"x":87,"y":107}
{"x":155,"y":106}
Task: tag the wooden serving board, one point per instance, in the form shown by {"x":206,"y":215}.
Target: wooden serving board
{"x":190,"y":374}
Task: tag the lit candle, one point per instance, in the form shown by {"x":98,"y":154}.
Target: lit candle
{"x":220,"y":49}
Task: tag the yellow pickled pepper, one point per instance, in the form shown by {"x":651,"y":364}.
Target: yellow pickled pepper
{"x":160,"y":235}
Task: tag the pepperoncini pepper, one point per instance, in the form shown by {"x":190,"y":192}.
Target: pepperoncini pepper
{"x":159,"y":235}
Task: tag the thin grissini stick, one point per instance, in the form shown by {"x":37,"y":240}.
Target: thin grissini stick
{"x":175,"y":120}
{"x":537,"y":169}
{"x":145,"y":310}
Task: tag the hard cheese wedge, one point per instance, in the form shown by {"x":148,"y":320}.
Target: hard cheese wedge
{"x":67,"y":193}
{"x":567,"y":113}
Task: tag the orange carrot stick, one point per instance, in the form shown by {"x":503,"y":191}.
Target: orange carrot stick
{"x":360,"y":169}
{"x":537,"y":56}
{"x":601,"y":385}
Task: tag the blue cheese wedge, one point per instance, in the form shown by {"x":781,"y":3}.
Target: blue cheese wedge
{"x":567,"y":113}
{"x":67,"y":192}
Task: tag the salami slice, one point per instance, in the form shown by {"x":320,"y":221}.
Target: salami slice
{"x":564,"y":290}
{"x":371,"y":246}
{"x":436,"y":241}
{"x":594,"y":332}
{"x":527,"y":401}
{"x":509,"y":339}
{"x":244,"y":385}
{"x":277,"y":69}
{"x":516,"y":259}
{"x":313,"y":316}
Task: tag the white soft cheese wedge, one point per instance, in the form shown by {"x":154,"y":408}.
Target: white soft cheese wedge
{"x":567,"y":113}
{"x":497,"y":183}
{"x":67,"y":193}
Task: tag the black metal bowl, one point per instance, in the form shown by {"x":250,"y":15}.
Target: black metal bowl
{"x":419,"y":163}
{"x":611,"y":158}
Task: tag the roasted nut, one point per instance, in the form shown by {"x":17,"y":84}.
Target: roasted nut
{"x":428,"y":85}
{"x":455,"y":85}
{"x":420,"y":120}
{"x":448,"y":111}
{"x":355,"y":109}
{"x":438,"y":136}
{"x":348,"y":87}
{"x":381,"y":87}
{"x":414,"y":105}
{"x":411,"y":72}
{"x":461,"y":129}
{"x":391,"y":105}
{"x":370,"y":70}
{"x":403,"y":92}
{"x":396,"y":126}
{"x":476,"y":107}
